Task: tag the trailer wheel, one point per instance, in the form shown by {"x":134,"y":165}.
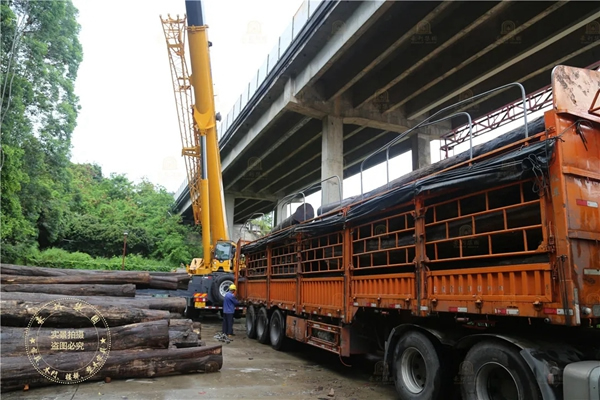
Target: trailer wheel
{"x":496,"y":371}
{"x":262,"y":325}
{"x":251,"y":322}
{"x":418,"y":370}
{"x":277,"y":330}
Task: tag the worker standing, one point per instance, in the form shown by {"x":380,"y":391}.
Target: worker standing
{"x":229,"y":304}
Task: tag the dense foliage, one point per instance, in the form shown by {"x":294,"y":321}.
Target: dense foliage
{"x":47,"y":202}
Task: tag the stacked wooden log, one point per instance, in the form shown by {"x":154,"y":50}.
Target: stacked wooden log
{"x":142,"y":280}
{"x":57,"y":323}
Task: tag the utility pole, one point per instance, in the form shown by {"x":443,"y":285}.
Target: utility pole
{"x":124,"y":249}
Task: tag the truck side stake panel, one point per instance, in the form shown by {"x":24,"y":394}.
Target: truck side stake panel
{"x":478,"y":281}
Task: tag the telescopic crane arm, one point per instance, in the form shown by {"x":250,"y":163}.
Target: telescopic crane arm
{"x":199,"y":136}
{"x":205,"y":115}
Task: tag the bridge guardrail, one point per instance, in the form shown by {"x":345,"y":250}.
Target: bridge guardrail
{"x":284,"y":41}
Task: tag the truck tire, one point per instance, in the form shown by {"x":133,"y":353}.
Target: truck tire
{"x":262,"y":325}
{"x":495,"y":370}
{"x":277,"y":330}
{"x":251,"y":322}
{"x":220,"y":287}
{"x":418,"y":370}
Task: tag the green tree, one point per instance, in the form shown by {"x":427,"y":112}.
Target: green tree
{"x":264,"y":223}
{"x":48,"y":203}
{"x":38,"y":109}
{"x":104,"y":208}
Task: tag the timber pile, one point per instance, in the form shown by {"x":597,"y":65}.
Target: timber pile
{"x":148,"y":336}
{"x":142,"y":280}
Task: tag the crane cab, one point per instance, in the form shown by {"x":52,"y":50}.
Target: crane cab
{"x":221,"y":259}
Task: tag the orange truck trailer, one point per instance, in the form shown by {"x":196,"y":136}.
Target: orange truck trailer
{"x":479,"y":279}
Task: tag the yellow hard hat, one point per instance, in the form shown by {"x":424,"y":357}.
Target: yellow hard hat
{"x":232,"y":287}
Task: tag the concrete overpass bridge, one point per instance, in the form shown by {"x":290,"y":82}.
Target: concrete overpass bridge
{"x":348,"y":77}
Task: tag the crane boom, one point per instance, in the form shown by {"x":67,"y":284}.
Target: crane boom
{"x":205,"y":114}
{"x":200,"y":147}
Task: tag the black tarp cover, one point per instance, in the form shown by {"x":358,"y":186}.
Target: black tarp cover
{"x":526,"y":162}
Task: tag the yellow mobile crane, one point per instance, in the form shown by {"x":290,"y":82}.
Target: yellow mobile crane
{"x":212,"y":274}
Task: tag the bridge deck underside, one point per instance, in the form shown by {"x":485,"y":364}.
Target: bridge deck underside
{"x":417,"y":58}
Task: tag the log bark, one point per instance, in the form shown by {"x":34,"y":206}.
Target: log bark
{"x":19,"y":313}
{"x":162,"y":282}
{"x":25,"y":270}
{"x":182,"y":324}
{"x":180,"y":338}
{"x":167,"y":280}
{"x":101,"y":278}
{"x":175,"y":305}
{"x":73,"y":290}
{"x":157,"y":280}
{"x":125,"y":364}
{"x":144,"y":335}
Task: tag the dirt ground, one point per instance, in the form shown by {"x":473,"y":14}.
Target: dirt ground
{"x":250,"y":371}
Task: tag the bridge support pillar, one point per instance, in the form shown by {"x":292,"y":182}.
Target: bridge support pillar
{"x":281,"y":213}
{"x":332,"y":159}
{"x":421,"y":151}
{"x":229,"y":209}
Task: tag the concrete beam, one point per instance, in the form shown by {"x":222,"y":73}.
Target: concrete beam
{"x":270,"y":149}
{"x":515,"y":95}
{"x":312,"y":105}
{"x":281,"y":162}
{"x":253,"y":210}
{"x":252,"y":195}
{"x":267,"y":119}
{"x":435,"y":52}
{"x":186,"y":205}
{"x":347,"y":165}
{"x":506,"y":64}
{"x":502,"y":39}
{"x":302,"y":165}
{"x":290,"y":171}
{"x":391,"y":49}
{"x":365,"y":16}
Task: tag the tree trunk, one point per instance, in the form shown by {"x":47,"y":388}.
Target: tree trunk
{"x":162,"y":282}
{"x":182,"y":324}
{"x":108,"y":277}
{"x":18,"y":371}
{"x":20,"y":313}
{"x":167,"y":280}
{"x":179,"y":338}
{"x":25,"y":270}
{"x":73,"y":290}
{"x":157,"y":280}
{"x":173,"y":304}
{"x":144,"y":335}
